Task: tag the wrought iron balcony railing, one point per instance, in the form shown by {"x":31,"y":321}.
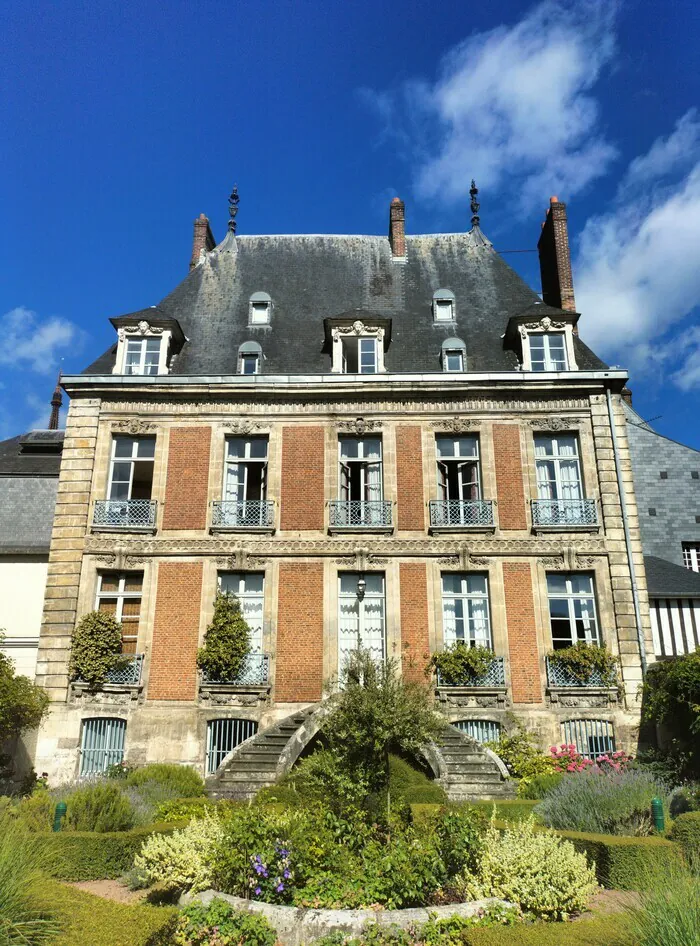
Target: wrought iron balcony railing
{"x":461,"y":513}
{"x":564,"y":512}
{"x":559,"y":676}
{"x":360,"y":513}
{"x":495,"y":676}
{"x":254,"y":672}
{"x":125,"y":513}
{"x":130,"y":675}
{"x":249,"y":513}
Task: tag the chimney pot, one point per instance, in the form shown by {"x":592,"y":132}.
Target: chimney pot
{"x":202,"y":241}
{"x":397,"y":228}
{"x":555,"y":258}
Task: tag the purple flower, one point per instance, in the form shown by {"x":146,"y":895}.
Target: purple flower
{"x":280,"y":888}
{"x":257,"y":891}
{"x":264,"y":873}
{"x":287,"y":874}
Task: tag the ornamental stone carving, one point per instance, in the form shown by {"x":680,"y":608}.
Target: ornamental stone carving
{"x":554,"y":423}
{"x":142,"y":328}
{"x":551,"y":561}
{"x":358,"y":328}
{"x":454,"y":425}
{"x":135,"y":426}
{"x":359,"y":426}
{"x":544,"y":325}
{"x":243,"y":427}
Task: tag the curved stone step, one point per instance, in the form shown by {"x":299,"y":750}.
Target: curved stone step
{"x":470,"y":771}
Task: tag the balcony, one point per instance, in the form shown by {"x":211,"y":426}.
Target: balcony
{"x":494,"y":676}
{"x":122,"y":685}
{"x":124,"y":515}
{"x":250,"y":688}
{"x":360,"y":516}
{"x":566,"y":688}
{"x":250,"y":515}
{"x":488,"y":689}
{"x":129,"y":675}
{"x":564,"y":514}
{"x":452,"y":515}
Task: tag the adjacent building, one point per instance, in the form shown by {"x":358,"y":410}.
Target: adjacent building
{"x":391,"y":440}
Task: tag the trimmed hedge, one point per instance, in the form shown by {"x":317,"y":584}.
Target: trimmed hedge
{"x":686,"y":831}
{"x":600,"y":931}
{"x":625,"y":863}
{"x":83,"y":855}
{"x":518,"y":809}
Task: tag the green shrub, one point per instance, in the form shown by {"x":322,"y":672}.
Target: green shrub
{"x":219,"y":922}
{"x":672,"y":697}
{"x":539,"y":786}
{"x":96,"y":648}
{"x":522,"y":756}
{"x":458,"y":835}
{"x":183,"y":860}
{"x":35,"y":812}
{"x":23,"y":920}
{"x":182,"y":779}
{"x":100,"y":807}
{"x":181,"y":809}
{"x":409,"y":784}
{"x":226,"y":641}
{"x":686,"y":831}
{"x":684,"y":799}
{"x":536,"y":870}
{"x":669,"y":913}
{"x":519,"y":809}
{"x":582,"y":660}
{"x":459,"y":664}
{"x":625,"y":863}
{"x":602,"y":802}
{"x":23,"y":704}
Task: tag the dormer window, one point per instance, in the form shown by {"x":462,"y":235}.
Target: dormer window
{"x":360,"y":355}
{"x":453,"y":354}
{"x":444,"y":305}
{"x":145,"y":346}
{"x":250,"y":358}
{"x":260,"y":309}
{"x":547,"y":352}
{"x":358,"y":348}
{"x":142,"y":355}
{"x":548,"y":344}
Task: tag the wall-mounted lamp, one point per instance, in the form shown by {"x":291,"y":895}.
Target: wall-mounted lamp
{"x":361,"y":587}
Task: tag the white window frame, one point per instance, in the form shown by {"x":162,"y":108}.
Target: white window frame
{"x":371,"y":491}
{"x":243,"y":357}
{"x":571,"y":598}
{"x":466,"y":604}
{"x":114,"y":460}
{"x":559,"y":485}
{"x":252,"y":603}
{"x":450,"y":353}
{"x":461,"y":462}
{"x":246,"y":461}
{"x":358,"y":330}
{"x":143,"y":331}
{"x":443,"y":306}
{"x":121,"y":594}
{"x":545,"y":327}
{"x":691,"y":556}
{"x":259,"y":309}
{"x":142,"y":345}
{"x":364,"y":625}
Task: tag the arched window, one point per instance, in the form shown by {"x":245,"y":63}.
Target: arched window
{"x":444,"y":305}
{"x":480,"y":730}
{"x":250,"y":358}
{"x":101,"y":744}
{"x":260,"y":309}
{"x":453,"y":355}
{"x":223,"y":735}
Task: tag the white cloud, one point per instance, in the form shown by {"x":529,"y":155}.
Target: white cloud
{"x":511,"y":108}
{"x":28,"y":341}
{"x":666,"y":154}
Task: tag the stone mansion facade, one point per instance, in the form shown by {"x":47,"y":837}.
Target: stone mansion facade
{"x":392,"y":440}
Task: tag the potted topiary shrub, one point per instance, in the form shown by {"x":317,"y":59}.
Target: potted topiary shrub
{"x":226,"y":642}
{"x":585,"y":665}
{"x":96,"y":649}
{"x":460,"y":665}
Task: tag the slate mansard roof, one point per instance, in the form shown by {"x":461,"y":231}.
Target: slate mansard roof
{"x":29,"y":467}
{"x":312,"y":278}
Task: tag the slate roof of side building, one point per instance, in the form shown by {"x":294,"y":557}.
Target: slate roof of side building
{"x":312,"y":278}
{"x":29,"y":468}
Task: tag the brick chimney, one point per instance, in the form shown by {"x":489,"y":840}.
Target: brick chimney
{"x":397,"y":228}
{"x":203,"y":239}
{"x":555,"y":258}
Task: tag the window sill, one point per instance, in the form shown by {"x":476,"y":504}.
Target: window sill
{"x":234,"y":694}
{"x":107,"y":693}
{"x":445,"y":530}
{"x":488,"y":695}
{"x":143,"y":530}
{"x":582,"y":695}
{"x":566,"y":527}
{"x":360,"y":530}
{"x":260,"y":530}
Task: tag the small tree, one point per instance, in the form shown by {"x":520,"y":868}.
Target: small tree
{"x":96,"y":648}
{"x":226,"y":642}
{"x":23,"y":704}
{"x":672,"y":698}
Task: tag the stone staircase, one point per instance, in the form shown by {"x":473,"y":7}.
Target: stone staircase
{"x":466,"y":770}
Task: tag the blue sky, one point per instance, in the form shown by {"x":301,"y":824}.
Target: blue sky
{"x":122,"y":122}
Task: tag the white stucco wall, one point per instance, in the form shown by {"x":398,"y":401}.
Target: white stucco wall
{"x":22,"y":585}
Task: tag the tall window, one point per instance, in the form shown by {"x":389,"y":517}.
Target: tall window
{"x":359,"y":355}
{"x":458,"y":467}
{"x":249,"y":588}
{"x":101,"y":744}
{"x":465,"y":610}
{"x":361,"y":617}
{"x":131,"y":470}
{"x":691,"y":555}
{"x":558,"y":467}
{"x":547,"y":351}
{"x":142,"y":356}
{"x":360,"y":469}
{"x":246,"y":469}
{"x":120,"y":595}
{"x":572,"y":611}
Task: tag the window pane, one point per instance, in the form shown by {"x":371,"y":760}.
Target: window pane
{"x":476,"y":584}
{"x":260,"y":312}
{"x":451,"y":583}
{"x":537,"y":345}
{"x":249,"y":364}
{"x":348,"y":584}
{"x":556,"y":583}
{"x":133,"y":583}
{"x":124,"y":446}
{"x":258,"y":448}
{"x":374,"y":584}
{"x":454,"y":360}
{"x":253,"y":583}
{"x":349,"y":447}
{"x":372,"y":449}
{"x":581,"y":584}
{"x":146,"y":448}
{"x":443,"y":309}
{"x":445,"y":446}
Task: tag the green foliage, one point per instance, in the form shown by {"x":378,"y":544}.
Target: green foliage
{"x":226,"y":642}
{"x":23,"y":704}
{"x":672,"y":697}
{"x":96,"y":648}
{"x":536,"y":870}
{"x":183,"y":860}
{"x":458,"y":838}
{"x":686,"y":831}
{"x":522,"y":756}
{"x":218,"y":922}
{"x":684,"y":799}
{"x":459,"y":664}
{"x":182,"y":809}
{"x":34,"y":812}
{"x":409,"y":784}
{"x":582,"y":660}
{"x":539,"y":786}
{"x":377,"y":710}
{"x":669,"y":913}
{"x":624,"y":863}
{"x":602,"y":802}
{"x":153,"y":785}
{"x":23,"y":920}
{"x":101,"y":808}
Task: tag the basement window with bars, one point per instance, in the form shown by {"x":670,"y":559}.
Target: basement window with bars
{"x":592,"y":737}
{"x":223,"y":735}
{"x":691,"y":555}
{"x":101,"y":744}
{"x":480,"y":730}
{"x":119,"y":594}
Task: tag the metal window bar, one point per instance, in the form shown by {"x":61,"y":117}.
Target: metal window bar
{"x":494,"y":676}
{"x":564,"y":512}
{"x":481,"y":730}
{"x":358,"y":512}
{"x":125,"y":513}
{"x":255,"y":513}
{"x":558,"y":676}
{"x":459,"y":512}
{"x":592,"y":737}
{"x":102,"y":744}
{"x":254,"y":672}
{"x":129,"y":675}
{"x":223,"y":735}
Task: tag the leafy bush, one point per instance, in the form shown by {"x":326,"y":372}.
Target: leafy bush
{"x":459,"y":664}
{"x":181,"y":809}
{"x":669,"y":913}
{"x":96,"y":648}
{"x":23,"y":704}
{"x":184,"y":859}
{"x":35,"y":812}
{"x":541,"y":873}
{"x":522,"y":756}
{"x":412,"y":786}
{"x":458,"y":834}
{"x":602,"y":802}
{"x":101,"y":808}
{"x":218,"y":922}
{"x":584,"y":660}
{"x":684,"y":799}
{"x":182,"y":779}
{"x":672,"y":697}
{"x":686,"y":831}
{"x":538,"y":786}
{"x":23,"y":920}
{"x":226,"y":642}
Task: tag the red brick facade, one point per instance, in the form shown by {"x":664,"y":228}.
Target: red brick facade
{"x":302,"y":504}
{"x":188,"y":478}
{"x":415,"y":640}
{"x":299,"y":670}
{"x":409,"y":479}
{"x":522,"y":633}
{"x":173,"y":673}
{"x":509,"y":476}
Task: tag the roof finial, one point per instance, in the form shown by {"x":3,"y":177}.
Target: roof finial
{"x":473,"y":191}
{"x":233,"y":209}
{"x":56,"y":401}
